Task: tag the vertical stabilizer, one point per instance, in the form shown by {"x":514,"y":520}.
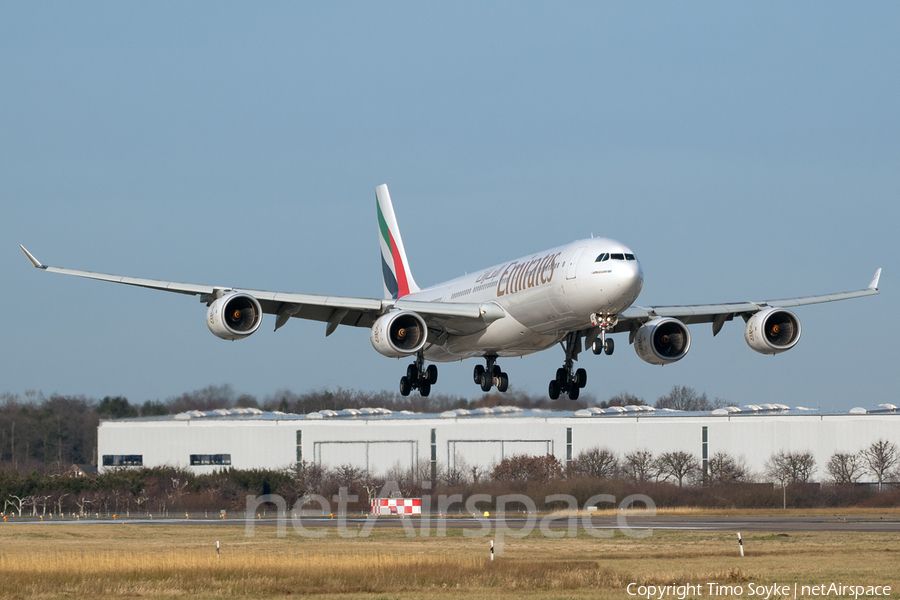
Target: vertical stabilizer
{"x":398,"y":280}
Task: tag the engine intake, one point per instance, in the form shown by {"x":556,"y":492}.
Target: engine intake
{"x":662,"y":341}
{"x":234,"y":316}
{"x":772,"y":331}
{"x":399,"y":333}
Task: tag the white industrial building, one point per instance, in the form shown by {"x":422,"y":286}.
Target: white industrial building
{"x":377,"y":439}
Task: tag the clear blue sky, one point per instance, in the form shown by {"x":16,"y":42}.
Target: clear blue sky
{"x":744,"y":152}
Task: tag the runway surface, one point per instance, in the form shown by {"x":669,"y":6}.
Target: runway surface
{"x":857,"y":523}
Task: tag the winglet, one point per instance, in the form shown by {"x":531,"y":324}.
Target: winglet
{"x":36,"y":262}
{"x":872,"y":286}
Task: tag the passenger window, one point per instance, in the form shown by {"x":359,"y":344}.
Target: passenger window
{"x":629,"y":257}
{"x":617,"y":256}
{"x":602,"y":257}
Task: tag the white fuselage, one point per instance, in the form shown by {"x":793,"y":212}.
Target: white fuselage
{"x":544,"y":295}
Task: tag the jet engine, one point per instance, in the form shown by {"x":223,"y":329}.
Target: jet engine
{"x":772,"y":330}
{"x":399,"y":333}
{"x":662,"y":341}
{"x":234,"y":316}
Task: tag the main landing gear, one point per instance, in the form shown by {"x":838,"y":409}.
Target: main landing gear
{"x":566,"y":381}
{"x":418,"y":377}
{"x":491,"y":375}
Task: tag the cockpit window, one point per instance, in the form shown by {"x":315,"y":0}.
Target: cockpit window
{"x":602,"y":257}
{"x":617,"y":256}
{"x":629,"y":257}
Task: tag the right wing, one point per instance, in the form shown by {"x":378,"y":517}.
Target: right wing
{"x":717,"y":314}
{"x":334,"y":310}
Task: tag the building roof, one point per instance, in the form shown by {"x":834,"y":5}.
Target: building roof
{"x":255,"y":414}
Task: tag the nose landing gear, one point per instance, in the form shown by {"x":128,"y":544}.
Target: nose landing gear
{"x":606,"y":323}
{"x":418,"y":377}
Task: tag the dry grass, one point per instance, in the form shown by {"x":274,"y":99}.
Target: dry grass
{"x":116,"y":560}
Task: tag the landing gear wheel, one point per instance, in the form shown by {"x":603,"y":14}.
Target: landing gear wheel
{"x":561,"y":377}
{"x":580,"y":378}
{"x":412,"y":373}
{"x":424,"y":389}
{"x":479,"y":371}
{"x":573,"y":393}
{"x":503,"y":384}
{"x":597,"y":347}
{"x":405,"y":386}
{"x":554,"y":390}
{"x":610,"y":346}
{"x":431,"y":374}
{"x":486,"y":382}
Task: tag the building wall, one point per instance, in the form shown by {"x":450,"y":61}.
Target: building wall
{"x":378,"y":444}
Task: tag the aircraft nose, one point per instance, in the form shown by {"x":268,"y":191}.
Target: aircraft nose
{"x":630,"y":271}
{"x":637,"y":270}
{"x":635,"y":278}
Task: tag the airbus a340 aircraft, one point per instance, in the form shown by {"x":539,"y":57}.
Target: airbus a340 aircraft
{"x":573,"y":295}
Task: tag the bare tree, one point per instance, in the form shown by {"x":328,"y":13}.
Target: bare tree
{"x":343,"y":476}
{"x":177,"y":490}
{"x":404,"y":476}
{"x":372,"y":488}
{"x":778,"y":469}
{"x":682,"y":397}
{"x":422,"y":470}
{"x":803,"y":465}
{"x":790,"y":467}
{"x":523,"y":467}
{"x":32,"y":501}
{"x":881,"y":457}
{"x":18,"y":503}
{"x":307,"y":477}
{"x":639,"y":466}
{"x":141,"y":499}
{"x":42,"y":500}
{"x":477,"y":473}
{"x":845,"y":468}
{"x":59,"y":503}
{"x":623,"y":399}
{"x":348,"y":475}
{"x":208,"y":398}
{"x":723,"y":468}
{"x":82,"y":502}
{"x":601,"y":463}
{"x":677,"y":465}
{"x":458,"y":472}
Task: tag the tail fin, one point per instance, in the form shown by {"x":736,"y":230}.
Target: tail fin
{"x":398,"y":280}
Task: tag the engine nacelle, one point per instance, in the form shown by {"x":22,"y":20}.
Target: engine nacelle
{"x":234,"y":316}
{"x":772,"y":330}
{"x":662,"y":341}
{"x":399,"y":333}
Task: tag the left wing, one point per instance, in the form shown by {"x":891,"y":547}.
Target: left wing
{"x":334,"y":310}
{"x":717,"y":314}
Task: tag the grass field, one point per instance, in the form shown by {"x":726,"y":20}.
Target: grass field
{"x":164,"y":561}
